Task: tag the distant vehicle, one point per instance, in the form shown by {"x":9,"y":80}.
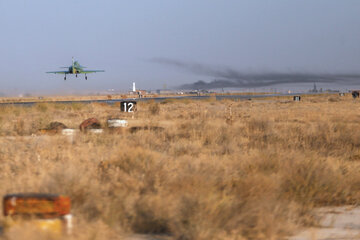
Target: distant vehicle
{"x":355,"y":93}
{"x":76,"y":69}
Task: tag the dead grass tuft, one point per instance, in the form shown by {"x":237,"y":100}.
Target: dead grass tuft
{"x":199,"y":177}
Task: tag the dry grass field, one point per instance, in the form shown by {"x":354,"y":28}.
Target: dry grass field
{"x":218,"y":169}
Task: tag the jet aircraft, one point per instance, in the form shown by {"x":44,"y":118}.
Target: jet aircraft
{"x":76,"y":69}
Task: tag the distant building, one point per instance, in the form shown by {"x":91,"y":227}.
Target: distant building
{"x":164,"y":91}
{"x":139,"y":93}
{"x":198,"y":92}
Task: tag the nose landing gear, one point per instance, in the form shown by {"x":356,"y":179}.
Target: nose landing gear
{"x":65,"y":78}
{"x":85,"y":77}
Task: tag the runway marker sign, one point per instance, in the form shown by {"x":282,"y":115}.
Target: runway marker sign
{"x":128,"y":106}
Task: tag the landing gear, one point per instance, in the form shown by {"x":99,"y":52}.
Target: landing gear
{"x":85,"y":77}
{"x":76,"y":75}
{"x":65,"y":78}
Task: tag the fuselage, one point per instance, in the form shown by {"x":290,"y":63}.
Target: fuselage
{"x":75,"y":68}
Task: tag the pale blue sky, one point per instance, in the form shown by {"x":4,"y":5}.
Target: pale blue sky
{"x":122,"y":36}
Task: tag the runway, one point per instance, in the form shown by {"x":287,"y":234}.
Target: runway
{"x":159,"y":99}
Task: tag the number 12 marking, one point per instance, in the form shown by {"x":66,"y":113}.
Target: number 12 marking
{"x":128,"y":107}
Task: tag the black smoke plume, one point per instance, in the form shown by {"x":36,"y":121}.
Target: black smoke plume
{"x":230,"y":78}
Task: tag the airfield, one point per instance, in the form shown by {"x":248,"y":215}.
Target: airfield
{"x":251,"y":166}
{"x":112,"y":99}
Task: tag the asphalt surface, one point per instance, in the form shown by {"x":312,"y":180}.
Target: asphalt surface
{"x":159,"y":99}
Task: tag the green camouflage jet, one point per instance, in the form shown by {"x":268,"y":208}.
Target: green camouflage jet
{"x":76,"y":69}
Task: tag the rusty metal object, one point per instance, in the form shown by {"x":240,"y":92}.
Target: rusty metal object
{"x":91,"y":123}
{"x":42,"y":205}
{"x":47,"y":212}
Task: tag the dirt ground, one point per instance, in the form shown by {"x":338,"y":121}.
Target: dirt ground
{"x":337,"y":223}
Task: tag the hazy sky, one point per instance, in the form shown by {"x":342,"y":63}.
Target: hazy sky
{"x":123,"y":36}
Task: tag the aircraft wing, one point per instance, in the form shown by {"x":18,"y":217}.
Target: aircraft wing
{"x":92,"y":71}
{"x":59,"y":72}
